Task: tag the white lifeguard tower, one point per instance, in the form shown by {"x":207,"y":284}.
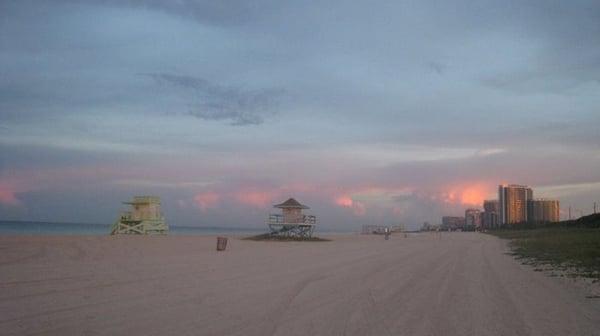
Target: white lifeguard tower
{"x":144,"y":218}
{"x":291,"y":222}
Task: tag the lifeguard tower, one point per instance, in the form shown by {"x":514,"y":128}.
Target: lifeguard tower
{"x":291,"y":222}
{"x":144,"y":218}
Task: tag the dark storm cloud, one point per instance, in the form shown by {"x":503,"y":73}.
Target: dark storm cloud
{"x":215,"y":102}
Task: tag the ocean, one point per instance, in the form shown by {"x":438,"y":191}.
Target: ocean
{"x":47,"y":228}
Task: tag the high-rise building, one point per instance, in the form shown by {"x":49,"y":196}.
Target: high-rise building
{"x":473,"y":218}
{"x":543,"y":210}
{"x":491,"y":206}
{"x":513,"y":203}
{"x":489,"y":217}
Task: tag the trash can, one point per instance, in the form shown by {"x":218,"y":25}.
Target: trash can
{"x":221,"y":243}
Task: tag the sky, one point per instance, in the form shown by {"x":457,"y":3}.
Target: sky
{"x":369,"y":112}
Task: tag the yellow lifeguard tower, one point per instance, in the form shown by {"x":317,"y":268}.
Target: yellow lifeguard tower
{"x":291,"y":222}
{"x":144,"y":218}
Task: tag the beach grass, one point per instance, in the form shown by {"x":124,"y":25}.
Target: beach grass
{"x":574,"y":250}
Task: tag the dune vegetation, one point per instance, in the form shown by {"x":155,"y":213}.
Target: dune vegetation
{"x":569,"y":246}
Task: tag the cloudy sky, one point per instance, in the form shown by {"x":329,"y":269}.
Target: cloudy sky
{"x":373,"y":112}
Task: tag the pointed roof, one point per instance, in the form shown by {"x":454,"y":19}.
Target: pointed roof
{"x":291,"y":204}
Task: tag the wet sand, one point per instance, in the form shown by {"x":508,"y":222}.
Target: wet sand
{"x":456,"y":284}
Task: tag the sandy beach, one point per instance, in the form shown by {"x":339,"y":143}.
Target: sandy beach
{"x":456,"y":284}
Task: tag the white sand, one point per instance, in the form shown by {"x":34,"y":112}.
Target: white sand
{"x":461,"y":284}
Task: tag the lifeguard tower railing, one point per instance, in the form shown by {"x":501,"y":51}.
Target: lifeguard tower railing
{"x":302,"y":219}
{"x":300,"y":226}
{"x":126,"y":224}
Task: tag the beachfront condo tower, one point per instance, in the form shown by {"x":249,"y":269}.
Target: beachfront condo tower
{"x":543,"y":211}
{"x":473,"y":218}
{"x":489,"y":218}
{"x":513,"y":203}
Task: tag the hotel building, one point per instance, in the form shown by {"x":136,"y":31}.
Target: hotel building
{"x":543,"y":210}
{"x":473,"y":218}
{"x":513,"y":203}
{"x":489,"y":218}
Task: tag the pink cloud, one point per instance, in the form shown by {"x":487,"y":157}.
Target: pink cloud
{"x":250,"y":195}
{"x":207,"y":200}
{"x":344,"y":201}
{"x":258,"y":199}
{"x":473,"y":195}
{"x":468,"y":193}
{"x":358,"y":208}
{"x":7,"y":196}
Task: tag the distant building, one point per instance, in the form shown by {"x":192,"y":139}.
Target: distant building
{"x":473,"y":218}
{"x":453,"y":223}
{"x":381,"y":229}
{"x":543,"y":210}
{"x":489,"y":217}
{"x":513,"y":203}
{"x":491,"y":206}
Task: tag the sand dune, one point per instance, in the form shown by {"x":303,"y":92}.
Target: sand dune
{"x":460,"y":284}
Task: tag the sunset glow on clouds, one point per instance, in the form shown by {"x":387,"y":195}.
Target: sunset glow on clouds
{"x":358,"y":208}
{"x":344,"y":201}
{"x":207,"y":200}
{"x":357,"y":128}
{"x":474,"y":195}
{"x":469,"y":194}
{"x":7,"y":196}
{"x":259,"y":199}
{"x":376,"y":202}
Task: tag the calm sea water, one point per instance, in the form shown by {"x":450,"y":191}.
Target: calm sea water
{"x":43,"y":228}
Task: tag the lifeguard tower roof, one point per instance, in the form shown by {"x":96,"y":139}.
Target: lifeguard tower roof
{"x":144,"y":200}
{"x":291,"y":204}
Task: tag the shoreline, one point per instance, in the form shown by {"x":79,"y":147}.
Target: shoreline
{"x":17,"y":228}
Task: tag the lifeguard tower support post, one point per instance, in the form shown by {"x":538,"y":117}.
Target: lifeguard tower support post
{"x":144,"y":218}
{"x":291,"y":222}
